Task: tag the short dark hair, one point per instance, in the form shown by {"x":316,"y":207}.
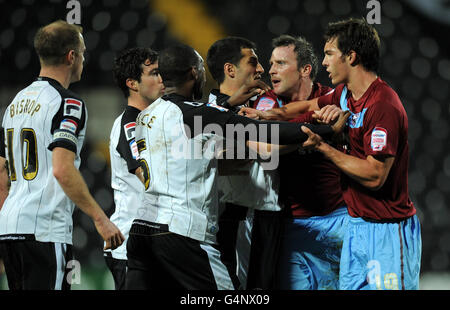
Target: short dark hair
{"x":53,"y":41}
{"x":223,"y":51}
{"x":175,"y":62}
{"x":129,"y":65}
{"x":355,"y":34}
{"x":303,"y":49}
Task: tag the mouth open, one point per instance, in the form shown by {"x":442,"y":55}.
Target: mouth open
{"x":275,"y":82}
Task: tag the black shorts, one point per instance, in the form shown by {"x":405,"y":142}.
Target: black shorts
{"x":158,"y":259}
{"x":34,"y":265}
{"x":118,"y":268}
{"x":227,"y":235}
{"x":266,"y":237}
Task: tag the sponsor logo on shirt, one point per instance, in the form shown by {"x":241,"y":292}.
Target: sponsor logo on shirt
{"x":265,"y":104}
{"x":218,"y":107}
{"x":134,"y":149}
{"x":72,"y":107}
{"x":129,"y":130}
{"x":379,"y":139}
{"x":64,"y":136}
{"x":70,"y":125}
{"x":356,"y":120}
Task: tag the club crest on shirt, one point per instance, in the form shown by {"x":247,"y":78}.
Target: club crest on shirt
{"x":218,"y":107}
{"x":72,"y":107}
{"x":379,"y":139}
{"x":129,"y":130}
{"x":68,"y":124}
{"x":265,"y":103}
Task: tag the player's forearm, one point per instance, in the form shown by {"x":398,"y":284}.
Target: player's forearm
{"x":291,"y":110}
{"x":76,"y":189}
{"x":4,"y":187}
{"x":266,"y":150}
{"x":361,"y":170}
{"x":73,"y":184}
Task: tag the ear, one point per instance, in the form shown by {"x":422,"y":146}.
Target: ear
{"x":229,"y":70}
{"x":131,"y":84}
{"x":352,"y":58}
{"x":194,"y":73}
{"x":306,"y":70}
{"x":70,"y":57}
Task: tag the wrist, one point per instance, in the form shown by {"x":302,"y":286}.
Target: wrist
{"x":322,"y":147}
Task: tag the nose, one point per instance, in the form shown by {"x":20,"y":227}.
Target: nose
{"x":324,"y":62}
{"x":272,"y":70}
{"x":259,"y":68}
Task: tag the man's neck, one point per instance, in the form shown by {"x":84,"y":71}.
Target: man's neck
{"x":303,"y":92}
{"x":228,"y":89}
{"x":57,"y":73}
{"x":184,"y":91}
{"x":359,"y":81}
{"x":137,"y":102}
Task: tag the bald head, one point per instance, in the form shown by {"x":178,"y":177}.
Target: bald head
{"x":53,"y":41}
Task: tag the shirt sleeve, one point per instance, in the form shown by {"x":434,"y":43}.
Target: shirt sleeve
{"x":382,"y":127}
{"x":232,"y":126}
{"x":127,"y":146}
{"x":332,"y":97}
{"x":68,"y":123}
{"x":304,"y":118}
{"x":2,"y":143}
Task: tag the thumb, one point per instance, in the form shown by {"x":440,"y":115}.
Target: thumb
{"x":107,"y":245}
{"x":316,"y":114}
{"x":306,"y":130}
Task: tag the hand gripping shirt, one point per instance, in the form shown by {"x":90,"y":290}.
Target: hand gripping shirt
{"x":309,"y":183}
{"x":177,"y":144}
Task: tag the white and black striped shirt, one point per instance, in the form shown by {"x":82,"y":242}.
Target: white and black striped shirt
{"x":41,"y":117}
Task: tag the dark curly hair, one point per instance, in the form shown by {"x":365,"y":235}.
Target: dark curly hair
{"x":355,"y":34}
{"x":128,"y":65}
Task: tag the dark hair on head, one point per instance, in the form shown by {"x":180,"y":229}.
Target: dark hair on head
{"x":303,"y":49}
{"x":175,"y":62}
{"x":53,"y":41}
{"x":129,"y":65}
{"x":355,"y":34}
{"x":223,"y":51}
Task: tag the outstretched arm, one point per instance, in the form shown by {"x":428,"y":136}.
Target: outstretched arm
{"x":284,"y":113}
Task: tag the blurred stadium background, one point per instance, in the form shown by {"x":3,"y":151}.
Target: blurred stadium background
{"x":415,"y":62}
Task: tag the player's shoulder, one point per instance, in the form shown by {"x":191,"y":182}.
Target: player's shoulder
{"x":385,"y":95}
{"x":323,"y":90}
{"x":55,"y":86}
{"x":129,"y":114}
{"x":179,"y":104}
